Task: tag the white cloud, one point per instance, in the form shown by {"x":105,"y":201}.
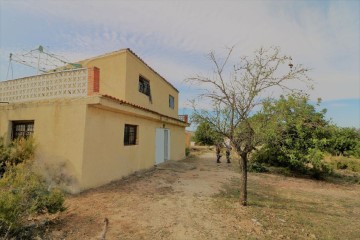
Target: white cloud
{"x":323,"y":36}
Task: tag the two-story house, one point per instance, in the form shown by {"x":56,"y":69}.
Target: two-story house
{"x":110,"y":118}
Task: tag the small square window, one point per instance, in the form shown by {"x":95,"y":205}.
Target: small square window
{"x":22,"y":129}
{"x":130,"y":134}
{"x":171,"y":102}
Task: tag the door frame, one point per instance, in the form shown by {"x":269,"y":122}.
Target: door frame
{"x":162,"y":145}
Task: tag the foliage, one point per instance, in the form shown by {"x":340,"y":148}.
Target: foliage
{"x":257,"y":167}
{"x":235,"y":92}
{"x":24,"y":193}
{"x":187,"y":152}
{"x":16,"y":152}
{"x":344,"y":141}
{"x":345,"y":163}
{"x":296,"y":136}
{"x":318,"y":166}
{"x":206,"y":135}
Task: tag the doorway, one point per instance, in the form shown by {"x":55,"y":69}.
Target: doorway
{"x":162,"y":145}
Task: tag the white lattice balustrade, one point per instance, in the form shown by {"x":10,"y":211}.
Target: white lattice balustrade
{"x":70,"y":83}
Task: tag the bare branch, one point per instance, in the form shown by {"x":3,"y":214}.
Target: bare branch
{"x":235,"y":98}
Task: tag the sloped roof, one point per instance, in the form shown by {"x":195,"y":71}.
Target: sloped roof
{"x":119,"y":101}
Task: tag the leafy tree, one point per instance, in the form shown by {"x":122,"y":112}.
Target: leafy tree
{"x":234,"y":93}
{"x":206,"y":135}
{"x":296,"y":135}
{"x":344,"y":141}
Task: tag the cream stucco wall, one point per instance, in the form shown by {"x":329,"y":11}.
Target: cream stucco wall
{"x":119,"y":77}
{"x":87,"y":134}
{"x":112,"y":73}
{"x":177,"y":142}
{"x":105,"y":156}
{"x":160,"y":90}
{"x":58,"y":130}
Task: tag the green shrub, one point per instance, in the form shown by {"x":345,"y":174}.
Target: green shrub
{"x":277,"y":158}
{"x":257,"y":167}
{"x":266,"y":155}
{"x":355,"y":152}
{"x":343,"y":163}
{"x":344,"y":141}
{"x":187,"y":152}
{"x":319,"y":166}
{"x":312,"y":163}
{"x":206,"y":135}
{"x":24,"y":193}
{"x":16,"y":152}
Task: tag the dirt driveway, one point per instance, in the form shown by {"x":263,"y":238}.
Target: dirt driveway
{"x":197,"y":199}
{"x":173,"y":201}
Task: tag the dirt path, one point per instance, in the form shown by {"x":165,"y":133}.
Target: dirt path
{"x":176,"y":201}
{"x":173,"y":201}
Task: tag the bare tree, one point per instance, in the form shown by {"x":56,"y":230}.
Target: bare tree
{"x":235,"y":93}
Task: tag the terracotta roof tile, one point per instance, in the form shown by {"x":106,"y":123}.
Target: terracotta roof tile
{"x":138,"y":107}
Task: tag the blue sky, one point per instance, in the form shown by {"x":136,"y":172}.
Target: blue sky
{"x":174,"y":37}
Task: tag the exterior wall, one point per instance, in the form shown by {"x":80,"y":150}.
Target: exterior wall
{"x":112,"y":73}
{"x":177,"y":142}
{"x":87,"y":133}
{"x":119,"y":78}
{"x":187,"y":139}
{"x":160,"y":89}
{"x":58,"y":130}
{"x":105,"y":156}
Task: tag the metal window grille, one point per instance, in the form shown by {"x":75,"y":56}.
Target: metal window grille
{"x":130,"y":134}
{"x":22,"y":129}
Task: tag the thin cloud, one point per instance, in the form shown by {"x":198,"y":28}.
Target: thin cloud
{"x":322,"y":35}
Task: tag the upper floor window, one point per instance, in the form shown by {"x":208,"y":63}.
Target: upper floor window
{"x":144,"y":86}
{"x":22,"y":129}
{"x":171,"y":102}
{"x":130,"y":134}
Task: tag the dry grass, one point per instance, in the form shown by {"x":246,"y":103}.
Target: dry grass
{"x":198,"y":199}
{"x":291,"y":208}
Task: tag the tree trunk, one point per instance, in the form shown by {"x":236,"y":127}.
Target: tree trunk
{"x":243,"y":187}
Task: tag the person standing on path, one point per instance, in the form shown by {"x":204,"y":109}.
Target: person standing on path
{"x":218,"y":152}
{"x":228,"y":150}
